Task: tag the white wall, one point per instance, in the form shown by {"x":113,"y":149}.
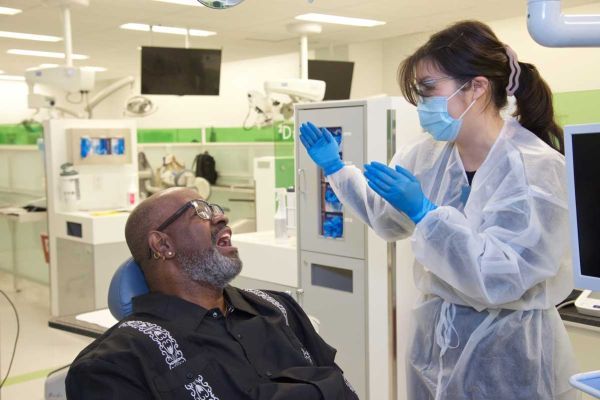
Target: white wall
{"x":227,"y":109}
{"x":376,"y":64}
{"x":368,"y":59}
{"x":13,"y":102}
{"x":565,"y":69}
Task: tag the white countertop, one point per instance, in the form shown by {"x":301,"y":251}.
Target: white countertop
{"x":268,"y":259}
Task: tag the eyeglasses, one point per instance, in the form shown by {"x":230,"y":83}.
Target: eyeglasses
{"x":425,"y":86}
{"x":203,"y":209}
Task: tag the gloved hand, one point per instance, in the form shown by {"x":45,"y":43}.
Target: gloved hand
{"x":321,"y":147}
{"x":400,"y":188}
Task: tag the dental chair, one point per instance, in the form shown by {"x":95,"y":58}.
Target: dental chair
{"x":127,"y":283}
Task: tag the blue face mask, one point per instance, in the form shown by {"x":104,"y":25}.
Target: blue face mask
{"x":435,"y":119}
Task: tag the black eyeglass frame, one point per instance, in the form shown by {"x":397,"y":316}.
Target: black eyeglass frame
{"x":204,"y":213}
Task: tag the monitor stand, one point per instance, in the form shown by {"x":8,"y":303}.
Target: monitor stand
{"x":588,"y":303}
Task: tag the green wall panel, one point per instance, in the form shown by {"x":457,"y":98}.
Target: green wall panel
{"x":581,"y":107}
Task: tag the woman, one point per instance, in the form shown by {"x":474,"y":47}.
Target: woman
{"x":484,"y":202}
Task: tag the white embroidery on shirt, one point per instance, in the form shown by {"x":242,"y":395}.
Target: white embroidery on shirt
{"x":200,"y":390}
{"x":271,"y":300}
{"x":307,"y":355}
{"x":166,"y":344}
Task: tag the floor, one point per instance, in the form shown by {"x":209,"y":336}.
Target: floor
{"x":40,"y":349}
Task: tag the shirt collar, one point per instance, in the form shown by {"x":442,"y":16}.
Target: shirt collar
{"x":172,"y":308}
{"x":234,"y":297}
{"x":169,"y":308}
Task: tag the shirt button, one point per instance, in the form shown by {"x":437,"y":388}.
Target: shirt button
{"x":189,"y":375}
{"x":239,"y":336}
{"x":215,"y":314}
{"x":269,"y":374}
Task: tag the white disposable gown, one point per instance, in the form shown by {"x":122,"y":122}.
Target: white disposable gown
{"x":491,"y":262}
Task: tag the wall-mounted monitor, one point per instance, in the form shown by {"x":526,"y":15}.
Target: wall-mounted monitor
{"x":179,"y":71}
{"x":337,"y":76}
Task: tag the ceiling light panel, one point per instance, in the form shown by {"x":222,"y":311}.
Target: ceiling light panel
{"x":169,"y":29}
{"x":336,"y":19}
{"x":172,"y":30}
{"x":136,"y":27}
{"x":200,"y":32}
{"x":48,"y":54}
{"x":9,"y":11}
{"x":29,"y":36}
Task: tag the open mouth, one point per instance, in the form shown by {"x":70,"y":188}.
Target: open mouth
{"x":223,"y":238}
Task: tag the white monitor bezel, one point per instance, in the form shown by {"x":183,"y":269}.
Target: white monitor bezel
{"x":581,"y":281}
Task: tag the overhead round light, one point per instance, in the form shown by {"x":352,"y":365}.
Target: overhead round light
{"x":220,"y":4}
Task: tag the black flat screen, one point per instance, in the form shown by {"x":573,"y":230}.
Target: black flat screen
{"x":337,"y":76}
{"x":177,"y":71}
{"x":586,"y":171}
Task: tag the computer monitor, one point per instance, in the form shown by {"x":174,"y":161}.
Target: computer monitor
{"x":582,"y":151}
{"x":179,"y":71}
{"x":337,"y":76}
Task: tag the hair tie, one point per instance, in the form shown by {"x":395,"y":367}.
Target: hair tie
{"x":515,"y":71}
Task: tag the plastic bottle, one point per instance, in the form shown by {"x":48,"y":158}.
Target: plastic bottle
{"x":291,"y":211}
{"x":280,"y":216}
{"x":132,"y":193}
{"x":69,"y":187}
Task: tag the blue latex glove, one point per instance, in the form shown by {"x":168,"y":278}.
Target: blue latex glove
{"x":400,"y":188}
{"x":321,"y":147}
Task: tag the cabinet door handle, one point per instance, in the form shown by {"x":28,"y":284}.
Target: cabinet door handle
{"x":301,"y":181}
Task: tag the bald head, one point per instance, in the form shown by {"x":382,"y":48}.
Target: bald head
{"x":148,"y":215}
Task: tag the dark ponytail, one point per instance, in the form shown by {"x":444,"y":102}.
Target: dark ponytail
{"x":534,"y":107}
{"x":470,"y":48}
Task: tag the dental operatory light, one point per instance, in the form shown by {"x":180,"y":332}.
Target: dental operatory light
{"x":9,"y":11}
{"x":29,"y":36}
{"x":339,"y":20}
{"x":173,"y":30}
{"x":48,"y":54}
{"x":219,"y":4}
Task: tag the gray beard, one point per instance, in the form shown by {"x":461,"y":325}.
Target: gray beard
{"x":210,"y":267}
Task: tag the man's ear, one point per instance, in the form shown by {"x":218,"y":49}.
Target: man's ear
{"x":161,"y":245}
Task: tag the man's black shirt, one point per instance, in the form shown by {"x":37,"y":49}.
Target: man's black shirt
{"x":264,"y":348}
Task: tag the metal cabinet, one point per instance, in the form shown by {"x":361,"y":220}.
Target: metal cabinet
{"x":350,"y":121}
{"x":334,"y":293}
{"x":84,"y":272}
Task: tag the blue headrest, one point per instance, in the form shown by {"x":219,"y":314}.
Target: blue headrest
{"x":127,"y":282}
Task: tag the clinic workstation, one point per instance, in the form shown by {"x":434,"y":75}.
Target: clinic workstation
{"x":299,"y":199}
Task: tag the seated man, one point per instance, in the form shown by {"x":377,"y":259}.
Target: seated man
{"x":194,"y":336}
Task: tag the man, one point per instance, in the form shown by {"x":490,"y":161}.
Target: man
{"x":194,"y":336}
